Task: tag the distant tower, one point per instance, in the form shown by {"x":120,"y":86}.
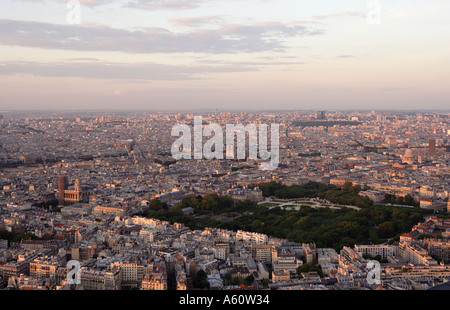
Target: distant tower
{"x":381,"y":117}
{"x":62,"y":186}
{"x":320,"y":115}
{"x":77,"y":186}
{"x":432,"y":147}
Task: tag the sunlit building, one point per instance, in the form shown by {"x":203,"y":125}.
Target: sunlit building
{"x":73,"y":195}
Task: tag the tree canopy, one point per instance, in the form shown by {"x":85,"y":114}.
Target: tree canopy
{"x":326,"y":227}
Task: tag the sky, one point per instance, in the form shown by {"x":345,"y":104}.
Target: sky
{"x":224,"y":54}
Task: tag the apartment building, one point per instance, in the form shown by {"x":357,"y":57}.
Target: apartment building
{"x":415,"y":254}
{"x":41,"y":269}
{"x":280,"y":276}
{"x":419,"y":273}
{"x":15,"y":269}
{"x":131,"y":273}
{"x":221,"y":250}
{"x":93,"y":279}
{"x":113,"y":279}
{"x":384,"y":251}
{"x":181,"y":278}
{"x":154,"y":282}
{"x":251,"y":237}
{"x":438,"y":248}
{"x":309,"y":251}
{"x":327,"y":256}
{"x":262,"y":252}
{"x":284,"y":258}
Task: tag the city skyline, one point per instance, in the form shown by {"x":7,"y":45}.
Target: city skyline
{"x":201,"y":55}
{"x":245,"y":148}
{"x":96,"y":201}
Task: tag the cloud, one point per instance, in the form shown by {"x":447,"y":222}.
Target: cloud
{"x":394,"y":89}
{"x":118,"y":92}
{"x":228,"y":38}
{"x":164,"y":4}
{"x":341,"y":14}
{"x":138,"y":4}
{"x":108,"y":70}
{"x":197,"y":21}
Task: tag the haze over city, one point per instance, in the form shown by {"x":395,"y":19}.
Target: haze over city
{"x":243,"y":55}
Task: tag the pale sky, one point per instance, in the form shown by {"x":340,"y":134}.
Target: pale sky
{"x":224,"y":54}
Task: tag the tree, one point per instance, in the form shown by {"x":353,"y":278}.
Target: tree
{"x":265,"y":282}
{"x":257,"y":225}
{"x":200,"y":280}
{"x":385,"y":230}
{"x":190,"y":202}
{"x":47,"y":204}
{"x":156,"y":205}
{"x":313,"y":266}
{"x":269,"y":188}
{"x":347,"y":185}
{"x":409,"y":201}
{"x":249,"y":280}
{"x":355,"y":189}
{"x":228,"y":278}
{"x":389,"y":198}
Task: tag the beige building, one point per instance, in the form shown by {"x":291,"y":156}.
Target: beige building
{"x":285,"y":259}
{"x":310,"y":253}
{"x":280,"y":276}
{"x":251,"y":237}
{"x":102,"y":210}
{"x":181,"y":278}
{"x":154,"y":282}
{"x":92,"y":279}
{"x":131,"y":273}
{"x":221,"y":250}
{"x":415,"y":254}
{"x":15,"y":269}
{"x":384,"y":251}
{"x":438,"y":248}
{"x":156,"y":277}
{"x":418,"y":273}
{"x":113,"y":279}
{"x":262,"y":252}
{"x":43,"y":269}
{"x":327,"y":256}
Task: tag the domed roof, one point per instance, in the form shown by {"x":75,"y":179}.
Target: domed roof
{"x":408,"y":157}
{"x":408,"y":153}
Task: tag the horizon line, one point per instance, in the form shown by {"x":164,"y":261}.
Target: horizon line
{"x":206,"y":110}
